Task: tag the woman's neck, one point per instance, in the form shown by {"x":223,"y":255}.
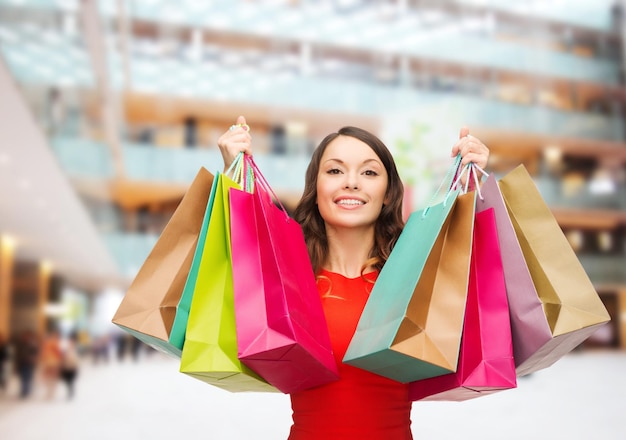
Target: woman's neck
{"x":348,"y":250}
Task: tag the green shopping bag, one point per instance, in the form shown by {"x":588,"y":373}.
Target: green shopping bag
{"x":411,"y":326}
{"x":210,"y":349}
{"x":179,"y":326}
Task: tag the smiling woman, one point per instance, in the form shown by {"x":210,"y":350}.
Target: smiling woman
{"x":351,"y":188}
{"x":351,"y":163}
{"x":351,"y":217}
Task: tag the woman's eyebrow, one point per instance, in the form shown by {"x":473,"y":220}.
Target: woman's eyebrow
{"x":372,"y":160}
{"x":332,"y":159}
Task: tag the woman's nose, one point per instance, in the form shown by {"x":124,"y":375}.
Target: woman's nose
{"x":352,"y":182}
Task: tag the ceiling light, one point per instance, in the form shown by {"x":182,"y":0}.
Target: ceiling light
{"x":605,"y":241}
{"x":46,"y":267}
{"x":602,"y":183}
{"x":575,"y":239}
{"x":552,"y":155}
{"x":7,"y":242}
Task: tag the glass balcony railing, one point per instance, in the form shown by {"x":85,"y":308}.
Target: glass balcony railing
{"x":469,"y":50}
{"x":590,"y":14}
{"x":284,"y":14}
{"x":149,"y":163}
{"x":605,"y":269}
{"x":272,"y":89}
{"x":35,"y":52}
{"x":358,"y":97}
{"x":129,"y":250}
{"x":83,"y":158}
{"x":611,"y":196}
{"x":59,"y":60}
{"x":431,"y":33}
{"x":80,"y":157}
{"x":285,"y":174}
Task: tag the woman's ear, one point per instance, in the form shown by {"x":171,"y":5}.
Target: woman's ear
{"x":386,"y":199}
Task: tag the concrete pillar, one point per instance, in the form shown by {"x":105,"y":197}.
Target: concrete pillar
{"x":43,"y":293}
{"x":7,"y":252}
{"x":621,"y":318}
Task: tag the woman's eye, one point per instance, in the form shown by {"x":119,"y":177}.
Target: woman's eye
{"x":370,"y":173}
{"x":334,"y":171}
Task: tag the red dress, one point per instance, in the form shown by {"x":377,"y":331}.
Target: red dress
{"x":360,"y":405}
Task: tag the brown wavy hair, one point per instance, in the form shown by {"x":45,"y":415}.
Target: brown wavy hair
{"x":389,"y":224}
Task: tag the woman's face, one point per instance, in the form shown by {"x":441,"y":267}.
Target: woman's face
{"x":351,"y":184}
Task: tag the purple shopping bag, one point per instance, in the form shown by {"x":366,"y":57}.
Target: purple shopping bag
{"x":552,"y":302}
{"x":281,"y":328}
{"x":529,"y":327}
{"x":486,"y":362}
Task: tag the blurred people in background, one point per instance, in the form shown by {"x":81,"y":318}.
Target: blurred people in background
{"x":4,"y":357}
{"x":100,"y":349}
{"x":69,"y":363}
{"x":26,"y":356}
{"x":51,"y":362}
{"x":122,"y":341}
{"x":191,"y":132}
{"x":135,"y":348}
{"x":55,"y":112}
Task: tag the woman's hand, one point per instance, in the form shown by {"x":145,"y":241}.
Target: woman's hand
{"x":471,"y":149}
{"x":234,"y":141}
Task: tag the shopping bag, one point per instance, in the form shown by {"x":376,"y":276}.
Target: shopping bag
{"x":571,"y":308}
{"x":529,"y":327}
{"x":148,"y":308}
{"x":410,"y":328}
{"x":210,"y":349}
{"x":281,"y":329}
{"x":486,"y":362}
{"x":179,"y":326}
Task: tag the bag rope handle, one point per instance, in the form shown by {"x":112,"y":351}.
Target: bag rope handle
{"x":263,"y":183}
{"x":239,"y":170}
{"x":471,"y":167}
{"x":452,"y":171}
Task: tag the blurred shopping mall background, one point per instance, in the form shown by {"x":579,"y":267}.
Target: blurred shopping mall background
{"x":108,"y":108}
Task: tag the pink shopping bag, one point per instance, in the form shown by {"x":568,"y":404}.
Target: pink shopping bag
{"x":486,"y":362}
{"x":281,"y":328}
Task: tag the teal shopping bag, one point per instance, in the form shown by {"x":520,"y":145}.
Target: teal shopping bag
{"x":411,"y":325}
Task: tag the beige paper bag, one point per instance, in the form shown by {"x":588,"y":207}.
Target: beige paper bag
{"x":571,"y":306}
{"x":149,"y":306}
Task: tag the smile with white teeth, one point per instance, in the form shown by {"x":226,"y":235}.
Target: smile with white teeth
{"x":351,"y":202}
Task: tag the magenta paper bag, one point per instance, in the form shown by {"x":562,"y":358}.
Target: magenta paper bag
{"x":486,"y":362}
{"x":281,"y":329}
{"x":529,"y":326}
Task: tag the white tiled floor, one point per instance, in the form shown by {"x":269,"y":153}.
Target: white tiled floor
{"x":582,"y":396}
